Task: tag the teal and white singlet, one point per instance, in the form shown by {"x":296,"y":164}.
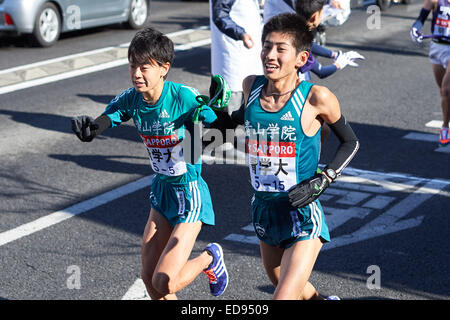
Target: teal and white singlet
{"x":178,"y":190}
{"x":280,"y":155}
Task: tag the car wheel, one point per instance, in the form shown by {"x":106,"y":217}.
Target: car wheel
{"x":139,"y":13}
{"x":384,"y":4}
{"x":47,"y":26}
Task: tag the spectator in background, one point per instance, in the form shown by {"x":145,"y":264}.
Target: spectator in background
{"x":312,"y":10}
{"x":236,"y":28}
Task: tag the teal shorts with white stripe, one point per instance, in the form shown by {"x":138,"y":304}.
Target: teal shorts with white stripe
{"x":182,"y":202}
{"x":279,"y":224}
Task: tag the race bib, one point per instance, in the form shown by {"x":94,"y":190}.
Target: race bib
{"x":442,"y":27}
{"x":442,"y":22}
{"x":272,"y":165}
{"x":166,"y":154}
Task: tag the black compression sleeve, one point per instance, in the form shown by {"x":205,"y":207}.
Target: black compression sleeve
{"x":238,"y":116}
{"x":223,"y":121}
{"x":348,"y":147}
{"x":226,"y":121}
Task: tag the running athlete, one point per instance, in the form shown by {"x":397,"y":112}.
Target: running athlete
{"x":163,"y":113}
{"x":283,"y":118}
{"x":439,"y":54}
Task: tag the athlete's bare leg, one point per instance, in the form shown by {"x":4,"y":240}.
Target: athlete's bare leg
{"x":442,"y":77}
{"x":173,"y":271}
{"x":289,"y":269}
{"x":445,"y":87}
{"x":165,"y":254}
{"x":156,"y":234}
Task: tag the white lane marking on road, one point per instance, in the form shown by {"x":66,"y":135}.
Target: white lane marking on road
{"x":391,"y":220}
{"x":62,"y":76}
{"x":87,"y":53}
{"x":72,"y":211}
{"x":391,"y":210}
{"x":427,"y":137}
{"x":71,"y":56}
{"x":434,"y":124}
{"x":87,"y":70}
{"x":137,"y":291}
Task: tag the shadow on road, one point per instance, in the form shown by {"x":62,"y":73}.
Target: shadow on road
{"x":411,"y":261}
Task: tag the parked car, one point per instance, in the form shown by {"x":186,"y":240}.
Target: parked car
{"x":45,"y":20}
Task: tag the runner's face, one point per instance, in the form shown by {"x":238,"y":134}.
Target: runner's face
{"x":147,"y":77}
{"x":279,"y":56}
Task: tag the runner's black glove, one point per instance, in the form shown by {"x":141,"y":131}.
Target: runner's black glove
{"x":308,"y":190}
{"x":85,"y":128}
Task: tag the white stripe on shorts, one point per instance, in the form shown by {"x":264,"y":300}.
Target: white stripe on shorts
{"x":195,"y":202}
{"x":192,"y":202}
{"x":313,"y":219}
{"x":316,"y":219}
{"x":199,"y":203}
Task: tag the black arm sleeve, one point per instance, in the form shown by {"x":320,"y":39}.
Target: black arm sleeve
{"x":238,"y":116}
{"x":226,"y":121}
{"x":349,"y":145}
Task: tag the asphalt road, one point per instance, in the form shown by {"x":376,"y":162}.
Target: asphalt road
{"x":387,"y":213}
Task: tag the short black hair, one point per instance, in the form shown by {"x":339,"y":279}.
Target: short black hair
{"x":150,"y":45}
{"x":306,"y":8}
{"x":293,"y":25}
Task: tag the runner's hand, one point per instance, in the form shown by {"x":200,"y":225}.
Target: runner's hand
{"x":308,"y":190}
{"x":416,"y":36}
{"x":84,"y":127}
{"x":347,"y":59}
{"x":352,"y":56}
{"x":248,"y":41}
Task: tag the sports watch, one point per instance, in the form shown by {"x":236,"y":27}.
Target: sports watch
{"x":331,"y":174}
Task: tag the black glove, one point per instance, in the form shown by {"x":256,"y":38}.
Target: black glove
{"x":308,"y":190}
{"x":84,"y":127}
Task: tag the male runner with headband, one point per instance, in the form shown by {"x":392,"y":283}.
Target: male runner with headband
{"x":439,"y":54}
{"x":282,"y":118}
{"x":180,"y":200}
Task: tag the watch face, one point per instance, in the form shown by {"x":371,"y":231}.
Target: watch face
{"x":331,"y":173}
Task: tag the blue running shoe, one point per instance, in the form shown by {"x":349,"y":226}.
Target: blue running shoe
{"x":332,"y":298}
{"x":444,"y":137}
{"x":216,"y":271}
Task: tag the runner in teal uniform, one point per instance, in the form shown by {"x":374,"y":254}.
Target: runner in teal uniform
{"x":282,"y":120}
{"x":178,"y":190}
{"x":165,"y":114}
{"x":281,"y":155}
